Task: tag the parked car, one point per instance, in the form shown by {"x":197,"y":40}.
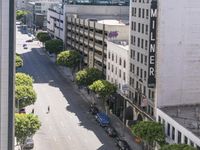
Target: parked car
{"x":22,"y":111}
{"x":111,"y":131}
{"x":28,"y":144}
{"x":122,"y":144}
{"x":102,"y":119}
{"x":24,"y":45}
{"x":29,"y":40}
{"x":93,"y":110}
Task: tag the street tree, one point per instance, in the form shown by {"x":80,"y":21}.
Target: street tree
{"x":24,"y":96}
{"x":23,"y":79}
{"x":69,"y":59}
{"x":149,"y":131}
{"x":43,"y":37}
{"x":26,"y":125}
{"x":18,"y":61}
{"x":177,"y":147}
{"x":20,"y":14}
{"x":54,"y":46}
{"x":87,"y":76}
{"x":103,"y":88}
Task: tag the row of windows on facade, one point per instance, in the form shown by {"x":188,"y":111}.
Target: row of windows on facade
{"x":114,"y":58}
{"x":142,"y":88}
{"x":112,"y":80}
{"x":111,"y":67}
{"x":141,"y":13}
{"x":140,"y":57}
{"x":140,"y":73}
{"x":171,"y":133}
{"x":141,"y":1}
{"x":141,"y":43}
{"x":139,"y":27}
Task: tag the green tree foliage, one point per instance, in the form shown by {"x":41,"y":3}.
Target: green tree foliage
{"x":69,"y":59}
{"x":20,"y":14}
{"x":26,"y":125}
{"x":87,"y":76}
{"x":149,"y":131}
{"x":23,"y":79}
{"x":103,"y":88}
{"x":177,"y":147}
{"x":54,"y":46}
{"x":18,"y":61}
{"x":24,"y":96}
{"x":43,"y":37}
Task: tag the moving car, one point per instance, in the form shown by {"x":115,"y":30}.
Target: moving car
{"x":102,"y":119}
{"x":28,"y":144}
{"x":122,"y":144}
{"x":26,"y":47}
{"x":111,"y":131}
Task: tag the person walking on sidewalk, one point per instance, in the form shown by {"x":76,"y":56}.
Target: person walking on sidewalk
{"x":32,"y":111}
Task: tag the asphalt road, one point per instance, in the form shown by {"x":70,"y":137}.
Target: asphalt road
{"x":68,"y":126}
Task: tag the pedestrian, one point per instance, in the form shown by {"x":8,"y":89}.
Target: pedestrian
{"x":32,"y":111}
{"x":48,"y":109}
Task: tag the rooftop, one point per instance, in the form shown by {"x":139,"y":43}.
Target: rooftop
{"x":112,"y":22}
{"x":186,"y":115}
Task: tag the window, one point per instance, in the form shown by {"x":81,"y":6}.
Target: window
{"x":173,"y":133}
{"x":139,"y":12}
{"x":116,"y":70}
{"x":141,"y":58}
{"x":120,"y":61}
{"x":168,"y":129}
{"x":138,"y":27}
{"x":146,"y":44}
{"x":112,"y":57}
{"x":137,"y":71}
{"x":142,"y":43}
{"x":134,"y":26}
{"x":145,"y":75}
{"x":109,"y":55}
{"x":145,"y":60}
{"x":179,"y":137}
{"x":131,"y":39}
{"x":131,"y":66}
{"x":133,"y":54}
{"x":147,"y":14}
{"x":132,"y":11}
{"x":138,"y":42}
{"x":112,"y":68}
{"x":144,"y":90}
{"x":185,"y":140}
{"x":143,"y":13}
{"x":120,"y":73}
{"x":124,"y":76}
{"x":108,"y":66}
{"x":142,"y":28}
{"x":138,"y":56}
{"x":141,"y":73}
{"x":146,"y":31}
{"x":124,"y":63}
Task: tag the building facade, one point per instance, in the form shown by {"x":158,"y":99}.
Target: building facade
{"x":141,"y":95}
{"x":7,"y":69}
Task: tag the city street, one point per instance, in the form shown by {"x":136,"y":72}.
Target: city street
{"x":68,"y":126}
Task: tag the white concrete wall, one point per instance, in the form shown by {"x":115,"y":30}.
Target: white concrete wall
{"x":178,"y":52}
{"x":184,"y":131}
{"x":122,"y":52}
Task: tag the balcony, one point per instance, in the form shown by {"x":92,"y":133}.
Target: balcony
{"x":98,"y":57}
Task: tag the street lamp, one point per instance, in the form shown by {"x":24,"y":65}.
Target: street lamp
{"x":18,"y":102}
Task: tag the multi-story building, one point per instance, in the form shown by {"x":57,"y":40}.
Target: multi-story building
{"x":37,"y":16}
{"x":141,"y":95}
{"x":7,"y":53}
{"x":164,"y":62}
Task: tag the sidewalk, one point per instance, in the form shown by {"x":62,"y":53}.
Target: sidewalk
{"x":90,"y":98}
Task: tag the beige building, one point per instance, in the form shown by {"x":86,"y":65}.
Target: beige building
{"x":7,"y":69}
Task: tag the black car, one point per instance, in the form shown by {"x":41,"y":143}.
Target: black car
{"x":93,"y":110}
{"x":111,"y":131}
{"x":29,"y":40}
{"x":122,"y":144}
